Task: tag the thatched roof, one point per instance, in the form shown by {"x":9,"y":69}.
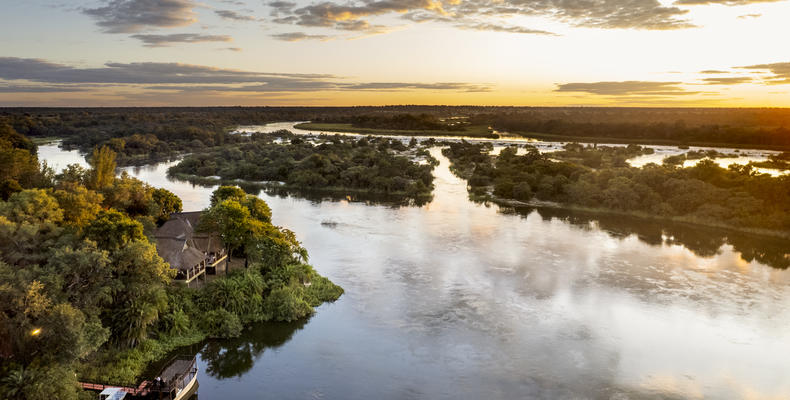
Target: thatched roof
{"x":178,"y":243}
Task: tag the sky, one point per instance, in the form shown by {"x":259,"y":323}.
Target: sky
{"x":676,"y":53}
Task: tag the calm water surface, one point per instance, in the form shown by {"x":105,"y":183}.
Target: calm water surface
{"x":457,"y":300}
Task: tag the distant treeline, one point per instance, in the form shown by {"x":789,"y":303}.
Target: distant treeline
{"x":730,"y":127}
{"x":141,"y":134}
{"x":736,"y":197}
{"x":398,"y":122}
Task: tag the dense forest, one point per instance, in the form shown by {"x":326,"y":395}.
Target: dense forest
{"x":84,"y":294}
{"x":763,"y":128}
{"x":736,"y":197}
{"x":139,"y":135}
{"x":340,"y":163}
{"x":426,"y":122}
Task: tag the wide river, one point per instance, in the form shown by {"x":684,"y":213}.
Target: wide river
{"x":458,"y":300}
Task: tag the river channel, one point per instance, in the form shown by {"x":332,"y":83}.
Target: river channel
{"x":460,"y":300}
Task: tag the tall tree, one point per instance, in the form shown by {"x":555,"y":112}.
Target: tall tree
{"x":103,"y":163}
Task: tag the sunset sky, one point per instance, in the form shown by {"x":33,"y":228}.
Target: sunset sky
{"x":363,"y":52}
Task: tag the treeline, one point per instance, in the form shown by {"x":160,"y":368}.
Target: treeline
{"x":423,"y":121}
{"x":736,"y":197}
{"x":84,"y":294}
{"x":751,"y":129}
{"x":139,"y":135}
{"x":370,"y":164}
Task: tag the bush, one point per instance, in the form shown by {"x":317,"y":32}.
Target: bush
{"x":321,"y":290}
{"x":286,"y":304}
{"x":221,"y":323}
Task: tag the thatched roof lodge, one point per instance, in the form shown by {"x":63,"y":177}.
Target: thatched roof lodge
{"x":190,"y":252}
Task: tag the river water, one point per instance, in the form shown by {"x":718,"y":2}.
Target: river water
{"x":458,"y":300}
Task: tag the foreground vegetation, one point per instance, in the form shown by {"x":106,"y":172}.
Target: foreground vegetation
{"x":376,"y":165}
{"x":736,"y":197}
{"x":84,"y":295}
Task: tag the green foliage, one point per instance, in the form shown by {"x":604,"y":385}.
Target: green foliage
{"x":167,"y":203}
{"x":223,"y":193}
{"x":103,"y":168}
{"x":240,"y":293}
{"x":83,"y":290}
{"x":220,"y":323}
{"x":705,"y":193}
{"x":336,"y":163}
{"x":80,"y":205}
{"x":321,"y":290}
{"x":112,"y":229}
{"x":230,"y":219}
{"x":287,"y":304}
{"x":32,"y":206}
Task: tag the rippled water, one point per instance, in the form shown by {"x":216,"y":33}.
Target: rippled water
{"x":462,"y":300}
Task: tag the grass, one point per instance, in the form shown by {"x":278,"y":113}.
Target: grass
{"x":471,"y":131}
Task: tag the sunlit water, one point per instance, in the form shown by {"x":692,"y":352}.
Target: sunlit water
{"x":456,"y":300}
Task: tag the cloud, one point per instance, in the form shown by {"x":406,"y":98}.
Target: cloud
{"x":713,"y":71}
{"x":749,"y":16}
{"x":503,"y":28}
{"x":128,"y":16}
{"x":37,"y":70}
{"x":780,"y":72}
{"x":298,"y":36}
{"x":232,"y":49}
{"x":197,"y":78}
{"x":485,"y":14}
{"x":626,"y":88}
{"x":166,"y":40}
{"x":233,"y":15}
{"x":7,"y":88}
{"x":728,"y":80}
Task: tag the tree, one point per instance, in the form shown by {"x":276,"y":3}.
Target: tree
{"x":231,"y":220}
{"x":112,"y":229}
{"x":167,"y":202}
{"x":103,"y":163}
{"x":228,"y":192}
{"x":259,"y":210}
{"x":32,"y":206}
{"x":79,"y":204}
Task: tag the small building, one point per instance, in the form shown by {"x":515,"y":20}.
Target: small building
{"x":188,"y":251}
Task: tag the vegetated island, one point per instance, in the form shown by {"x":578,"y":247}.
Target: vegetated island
{"x":707,"y":194}
{"x":327,"y":163}
{"x":400,"y":124}
{"x":84,"y":295}
{"x":776,"y":161}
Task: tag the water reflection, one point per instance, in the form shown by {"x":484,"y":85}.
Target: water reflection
{"x":233,"y":358}
{"x":702,"y":241}
{"x":462,"y":300}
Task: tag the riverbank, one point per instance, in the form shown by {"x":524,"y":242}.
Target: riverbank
{"x":500,"y":201}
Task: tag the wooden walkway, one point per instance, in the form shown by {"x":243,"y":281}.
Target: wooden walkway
{"x":143,"y":390}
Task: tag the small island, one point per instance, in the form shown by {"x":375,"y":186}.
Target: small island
{"x":737,"y":197}
{"x":337,"y":164}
